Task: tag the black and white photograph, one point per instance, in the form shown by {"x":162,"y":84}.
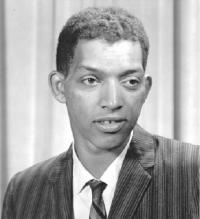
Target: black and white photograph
{"x":100,"y":109}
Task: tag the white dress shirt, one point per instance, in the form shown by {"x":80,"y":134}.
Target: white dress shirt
{"x":82,"y":197}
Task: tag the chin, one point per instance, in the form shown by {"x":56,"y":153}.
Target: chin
{"x":110,"y":142}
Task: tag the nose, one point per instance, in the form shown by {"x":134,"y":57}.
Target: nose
{"x":110,"y":96}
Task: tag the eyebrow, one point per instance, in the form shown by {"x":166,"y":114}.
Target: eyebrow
{"x":122,"y":74}
{"x":131,"y":72}
{"x":88,"y":68}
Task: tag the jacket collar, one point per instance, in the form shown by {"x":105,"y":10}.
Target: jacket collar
{"x":143,"y":145}
{"x":61,"y":165}
{"x":60,"y":178}
{"x":134,"y":177}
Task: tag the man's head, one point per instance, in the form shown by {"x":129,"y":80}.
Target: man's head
{"x":101,"y":60}
{"x":110,"y":24}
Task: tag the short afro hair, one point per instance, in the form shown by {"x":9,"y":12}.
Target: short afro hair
{"x":111,"y":24}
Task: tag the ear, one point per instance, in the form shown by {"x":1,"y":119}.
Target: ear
{"x":148,"y":84}
{"x":56,"y":84}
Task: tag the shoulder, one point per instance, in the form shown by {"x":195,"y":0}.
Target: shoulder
{"x":165,"y":150}
{"x":38,"y":175}
{"x":152,"y":149}
{"x":177,"y":153}
{"x":171,"y":147}
{"x":39,"y":171}
{"x":27,"y":187}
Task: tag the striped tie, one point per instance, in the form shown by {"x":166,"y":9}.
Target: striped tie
{"x":97,"y":210}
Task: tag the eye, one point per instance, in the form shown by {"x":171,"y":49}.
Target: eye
{"x":90,"y":81}
{"x":131,"y":83}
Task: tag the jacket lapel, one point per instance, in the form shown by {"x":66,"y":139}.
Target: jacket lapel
{"x":62,"y":187}
{"x":134,"y":179}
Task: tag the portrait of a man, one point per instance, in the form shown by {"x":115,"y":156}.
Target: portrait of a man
{"x":114,"y":168}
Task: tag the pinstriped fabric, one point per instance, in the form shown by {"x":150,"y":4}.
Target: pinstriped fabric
{"x":42,"y":191}
{"x":174,"y":190}
{"x":159,"y":179}
{"x":131,"y":186}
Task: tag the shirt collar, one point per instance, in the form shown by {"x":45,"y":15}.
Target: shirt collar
{"x":80,"y":174}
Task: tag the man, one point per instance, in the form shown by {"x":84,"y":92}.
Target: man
{"x":113,"y":169}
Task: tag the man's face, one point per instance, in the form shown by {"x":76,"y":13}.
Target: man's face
{"x":105,"y":90}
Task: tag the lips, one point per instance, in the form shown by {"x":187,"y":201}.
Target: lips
{"x":109,"y":124}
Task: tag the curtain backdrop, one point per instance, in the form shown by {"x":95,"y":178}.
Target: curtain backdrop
{"x":35,"y":127}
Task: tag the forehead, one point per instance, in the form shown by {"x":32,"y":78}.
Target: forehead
{"x":100,"y":54}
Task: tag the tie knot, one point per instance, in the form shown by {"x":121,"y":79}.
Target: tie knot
{"x":97,"y":186}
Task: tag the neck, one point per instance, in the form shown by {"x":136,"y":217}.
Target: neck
{"x":96,"y":163}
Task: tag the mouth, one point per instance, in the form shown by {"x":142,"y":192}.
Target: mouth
{"x":110,"y":125}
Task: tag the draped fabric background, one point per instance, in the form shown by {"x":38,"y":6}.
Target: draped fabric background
{"x":35,"y":127}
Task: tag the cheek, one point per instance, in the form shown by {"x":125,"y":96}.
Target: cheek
{"x":79,"y":105}
{"x":135,"y":104}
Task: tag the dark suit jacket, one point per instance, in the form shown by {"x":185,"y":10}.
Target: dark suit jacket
{"x":159,"y":179}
